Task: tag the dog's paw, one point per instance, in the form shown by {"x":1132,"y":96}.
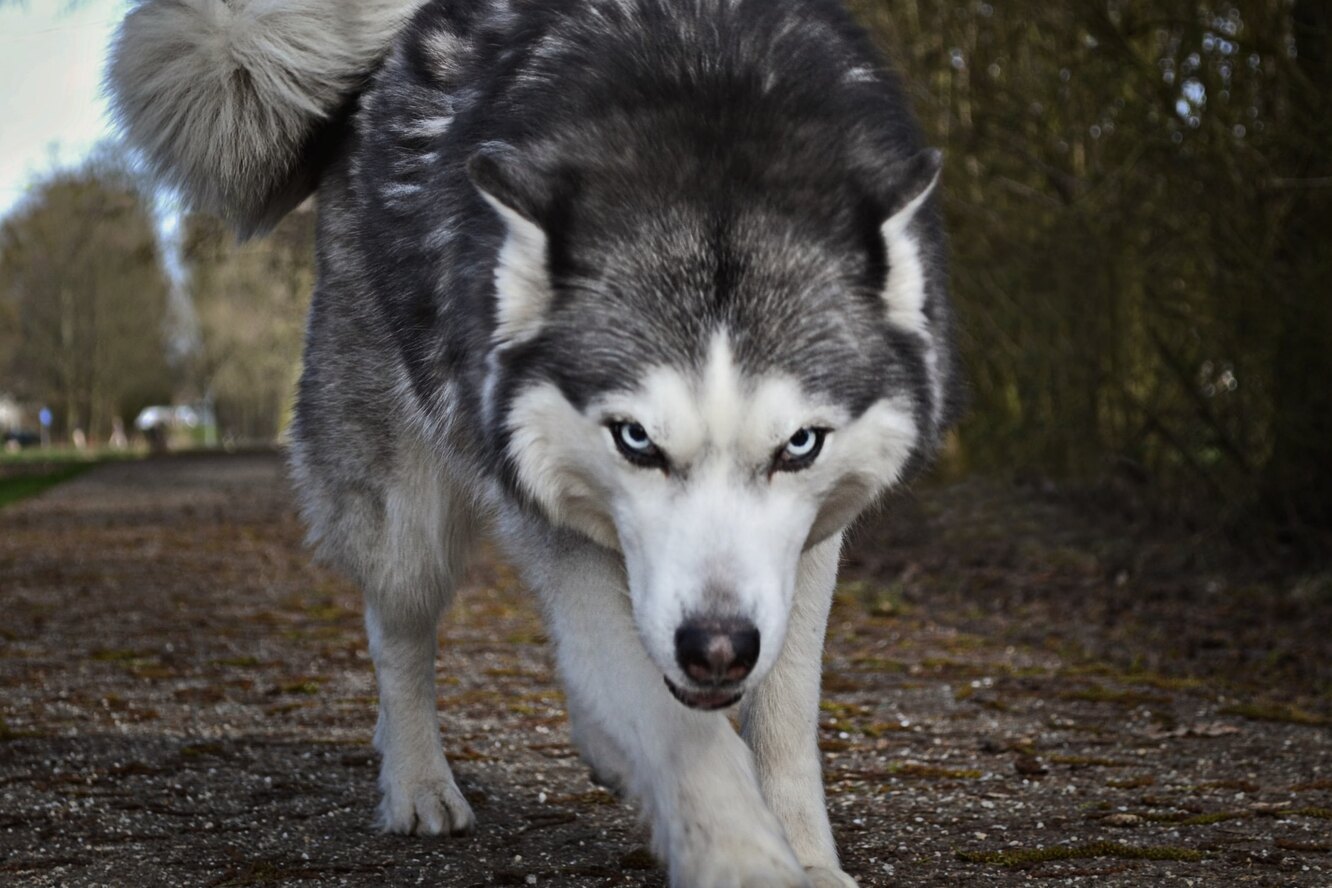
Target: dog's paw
{"x":608,"y":780}
{"x":752,"y":862}
{"x":732,"y":876}
{"x":823,"y":877}
{"x":427,"y":803}
{"x":607,"y":766}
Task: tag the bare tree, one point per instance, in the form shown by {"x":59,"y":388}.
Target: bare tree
{"x":251,"y":301}
{"x":81,"y":282}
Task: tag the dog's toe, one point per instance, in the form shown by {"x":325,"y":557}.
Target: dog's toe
{"x":823,"y":877}
{"x":430,"y":807}
{"x":443,"y":809}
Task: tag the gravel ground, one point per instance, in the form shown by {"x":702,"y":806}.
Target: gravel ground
{"x":1014,"y":694}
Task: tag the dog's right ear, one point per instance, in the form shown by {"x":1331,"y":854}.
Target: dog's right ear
{"x":510,"y":181}
{"x":520,"y":195}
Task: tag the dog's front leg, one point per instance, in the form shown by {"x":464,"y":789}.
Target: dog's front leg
{"x":419,"y":792}
{"x":693,"y":775}
{"x":781,"y":719}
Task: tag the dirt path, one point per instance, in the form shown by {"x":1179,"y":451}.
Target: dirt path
{"x":186,"y":701}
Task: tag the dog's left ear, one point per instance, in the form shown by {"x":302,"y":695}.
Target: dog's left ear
{"x":906,"y":187}
{"x":521,"y":196}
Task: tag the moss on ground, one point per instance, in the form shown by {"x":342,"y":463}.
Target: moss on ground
{"x":1195,"y":819}
{"x":932,"y":772}
{"x":1132,"y":782}
{"x":1019,"y":858}
{"x":1275,"y":713}
{"x":1086,"y":761}
{"x":239,"y":662}
{"x":7,"y":733}
{"x":1320,"y":813}
{"x":1102,"y":694}
{"x":109,"y":655}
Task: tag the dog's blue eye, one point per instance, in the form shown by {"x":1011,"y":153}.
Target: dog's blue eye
{"x":800,"y":450}
{"x":801,"y":443}
{"x":634,"y":445}
{"x":635,"y":437}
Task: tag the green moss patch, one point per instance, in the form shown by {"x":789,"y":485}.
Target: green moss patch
{"x":591,"y":798}
{"x":877,"y":664}
{"x":1019,"y":858}
{"x":203,"y":750}
{"x":1276,"y":712}
{"x":1195,"y":819}
{"x":7,"y":733}
{"x":1161,"y":682}
{"x":876,"y":600}
{"x":841,"y":711}
{"x":1320,"y":813}
{"x":268,"y":872}
{"x":1132,"y":782}
{"x":239,"y":662}
{"x":107,"y":655}
{"x":932,"y":772}
{"x":1102,"y":694}
{"x":638,"y":859}
{"x":1085,"y":761}
{"x":1238,"y":785}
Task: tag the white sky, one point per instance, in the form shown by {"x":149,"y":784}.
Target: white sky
{"x":51,"y":106}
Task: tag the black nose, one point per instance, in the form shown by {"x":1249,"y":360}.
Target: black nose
{"x":716,"y":651}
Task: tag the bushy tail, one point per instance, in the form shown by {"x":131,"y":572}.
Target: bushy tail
{"x":223,"y":97}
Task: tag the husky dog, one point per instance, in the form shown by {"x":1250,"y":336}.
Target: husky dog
{"x":652,"y":291}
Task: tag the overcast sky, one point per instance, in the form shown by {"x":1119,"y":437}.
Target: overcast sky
{"x":51,"y":107}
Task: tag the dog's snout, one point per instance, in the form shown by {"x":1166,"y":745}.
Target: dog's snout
{"x":717,"y":651}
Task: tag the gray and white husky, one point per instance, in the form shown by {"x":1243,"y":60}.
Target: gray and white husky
{"x":652,"y":291}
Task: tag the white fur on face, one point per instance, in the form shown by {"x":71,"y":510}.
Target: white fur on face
{"x":720,"y":533}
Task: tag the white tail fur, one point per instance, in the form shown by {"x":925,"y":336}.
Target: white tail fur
{"x":221,"y":96}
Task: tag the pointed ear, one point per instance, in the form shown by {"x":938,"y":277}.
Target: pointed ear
{"x":907,"y":186}
{"x":506,"y":177}
{"x":518,"y":193}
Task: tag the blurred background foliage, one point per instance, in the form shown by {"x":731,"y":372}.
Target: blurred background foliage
{"x":250,"y":300}
{"x":87,"y":327}
{"x":1138,"y":199}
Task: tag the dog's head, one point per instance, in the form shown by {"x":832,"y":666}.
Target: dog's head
{"x":711,"y":377}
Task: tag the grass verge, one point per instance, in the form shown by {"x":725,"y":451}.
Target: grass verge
{"x":23,"y":486}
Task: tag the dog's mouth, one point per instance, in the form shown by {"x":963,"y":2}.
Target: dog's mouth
{"x":718,"y":698}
